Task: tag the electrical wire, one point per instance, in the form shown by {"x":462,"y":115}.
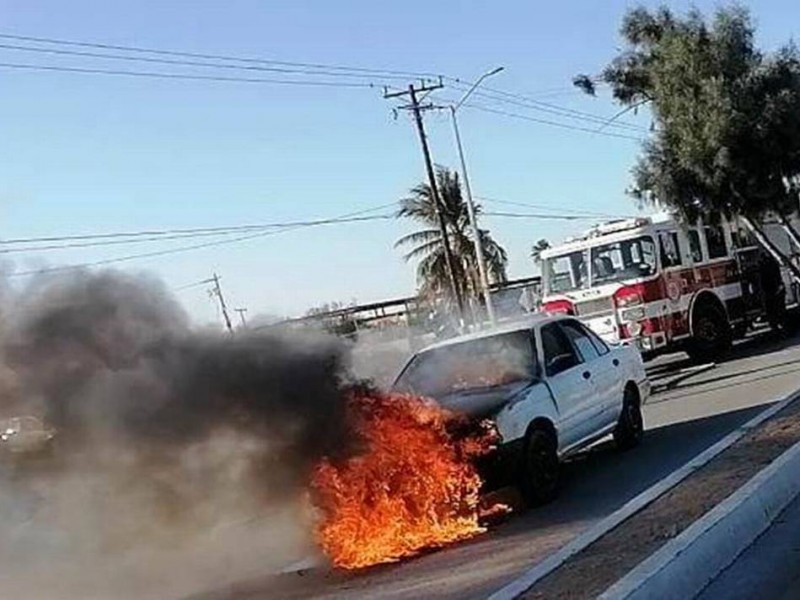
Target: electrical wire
{"x":294,"y":68}
{"x":513,"y":115}
{"x":157,"y":235}
{"x":540,"y":216}
{"x":138,"y":240}
{"x":189,"y":63}
{"x":552,"y":208}
{"x":298,"y":225}
{"x":160,"y":75}
{"x":192,"y":285}
{"x":139,"y":49}
{"x":566,"y":113}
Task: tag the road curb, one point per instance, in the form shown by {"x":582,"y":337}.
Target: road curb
{"x":540,"y":570}
{"x":688,"y":563}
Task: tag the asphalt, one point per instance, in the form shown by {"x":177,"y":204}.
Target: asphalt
{"x":769,"y":568}
{"x":694,"y":407}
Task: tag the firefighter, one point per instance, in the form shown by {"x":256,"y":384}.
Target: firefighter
{"x":774,"y":291}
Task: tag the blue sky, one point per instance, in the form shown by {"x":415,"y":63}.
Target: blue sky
{"x":86,"y":154}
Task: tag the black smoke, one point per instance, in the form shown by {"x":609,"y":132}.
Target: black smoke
{"x":112,"y":355}
{"x":181,"y":454}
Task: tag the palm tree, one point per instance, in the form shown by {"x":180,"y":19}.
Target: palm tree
{"x":537,"y":248}
{"x":426,"y":244}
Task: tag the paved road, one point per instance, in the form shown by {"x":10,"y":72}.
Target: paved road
{"x":693,"y":408}
{"x":769,"y":568}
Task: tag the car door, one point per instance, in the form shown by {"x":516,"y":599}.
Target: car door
{"x":603,"y":369}
{"x":572,"y":391}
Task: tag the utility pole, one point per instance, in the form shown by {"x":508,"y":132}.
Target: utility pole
{"x":241,"y":312}
{"x":476,"y":234}
{"x":416,"y":110}
{"x":217,"y":291}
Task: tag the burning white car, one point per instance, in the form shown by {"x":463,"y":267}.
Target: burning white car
{"x":550,"y":385}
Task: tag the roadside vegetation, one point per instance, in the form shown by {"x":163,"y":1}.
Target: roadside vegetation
{"x":426,"y":246}
{"x":725,"y":134}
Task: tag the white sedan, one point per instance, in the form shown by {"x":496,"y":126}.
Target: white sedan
{"x":551,"y":386}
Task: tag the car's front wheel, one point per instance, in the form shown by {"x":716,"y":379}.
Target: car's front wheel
{"x":539,"y":469}
{"x":630,"y":425}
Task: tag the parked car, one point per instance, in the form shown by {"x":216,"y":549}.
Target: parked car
{"x":550,"y":385}
{"x":25,"y":435}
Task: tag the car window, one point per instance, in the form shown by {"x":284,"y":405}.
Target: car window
{"x":599,"y":345}
{"x":559,"y":354}
{"x":580,"y":340}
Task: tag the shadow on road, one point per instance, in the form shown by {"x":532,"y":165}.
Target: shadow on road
{"x":757,"y":344}
{"x":602,"y":479}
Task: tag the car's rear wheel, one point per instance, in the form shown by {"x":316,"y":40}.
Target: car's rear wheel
{"x":630,"y":425}
{"x":539,"y":472}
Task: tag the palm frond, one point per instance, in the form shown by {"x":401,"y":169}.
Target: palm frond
{"x":423,"y":250}
{"x":419,"y":237}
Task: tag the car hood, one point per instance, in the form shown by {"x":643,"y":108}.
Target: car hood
{"x":482,"y":402}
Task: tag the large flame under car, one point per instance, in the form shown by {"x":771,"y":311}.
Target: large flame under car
{"x":412,"y":485}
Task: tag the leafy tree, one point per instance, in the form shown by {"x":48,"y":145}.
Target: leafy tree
{"x":537,"y":248}
{"x":426,"y":244}
{"x":726,"y":137}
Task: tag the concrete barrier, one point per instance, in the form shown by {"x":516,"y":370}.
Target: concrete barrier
{"x":688,"y":563}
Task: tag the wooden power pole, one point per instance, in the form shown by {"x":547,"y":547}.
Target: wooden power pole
{"x":217,"y":291}
{"x":416,"y":109}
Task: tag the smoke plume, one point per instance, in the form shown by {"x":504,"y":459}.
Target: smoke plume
{"x":181,"y":456}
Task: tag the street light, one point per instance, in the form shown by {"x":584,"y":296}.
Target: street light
{"x":487,"y":297}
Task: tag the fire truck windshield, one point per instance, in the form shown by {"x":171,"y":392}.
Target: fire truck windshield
{"x":626,"y":259}
{"x":566,"y":272}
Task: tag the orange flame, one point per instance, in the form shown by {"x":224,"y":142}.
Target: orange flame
{"x":412,"y":487}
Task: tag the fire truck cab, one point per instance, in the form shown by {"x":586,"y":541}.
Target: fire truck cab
{"x":666,"y":286}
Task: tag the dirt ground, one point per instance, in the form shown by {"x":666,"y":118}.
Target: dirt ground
{"x":593,"y":570}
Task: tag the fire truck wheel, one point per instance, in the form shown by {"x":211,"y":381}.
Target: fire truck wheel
{"x":712,"y":334}
{"x":539,"y":475}
{"x":630,"y":426}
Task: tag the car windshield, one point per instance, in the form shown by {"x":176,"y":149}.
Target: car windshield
{"x":626,"y":259}
{"x":482,"y":363}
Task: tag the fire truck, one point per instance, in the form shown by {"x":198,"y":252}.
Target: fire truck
{"x":665,"y":286}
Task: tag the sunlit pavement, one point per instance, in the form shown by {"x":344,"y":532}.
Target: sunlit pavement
{"x":693,"y":408}
{"x":769,"y":568}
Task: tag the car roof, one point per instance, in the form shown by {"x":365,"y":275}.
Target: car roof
{"x":536,"y":319}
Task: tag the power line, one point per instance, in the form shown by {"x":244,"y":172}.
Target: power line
{"x":192,"y":285}
{"x":529,"y":102}
{"x":143,"y":50}
{"x":167,"y":234}
{"x":566,"y":113}
{"x":498,"y":111}
{"x":552,"y":123}
{"x":540,"y":216}
{"x":138,"y":240}
{"x":189,"y":63}
{"x":189,"y":248}
{"x":550,"y":208}
{"x":159,"y":75}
